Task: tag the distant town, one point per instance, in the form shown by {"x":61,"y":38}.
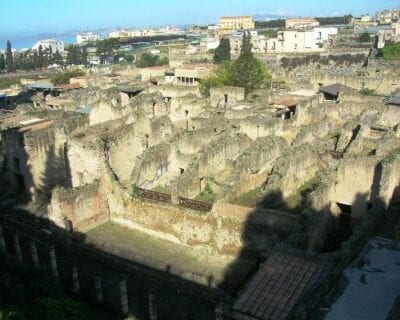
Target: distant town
{"x":273,"y":36}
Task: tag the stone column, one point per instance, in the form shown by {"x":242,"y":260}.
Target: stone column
{"x":124,"y":296}
{"x":76,"y":287}
{"x":152,"y":307}
{"x":99,"y":290}
{"x":3,"y":248}
{"x":17,"y":246}
{"x":283,"y":116}
{"x":35,"y":258}
{"x":53,"y":261}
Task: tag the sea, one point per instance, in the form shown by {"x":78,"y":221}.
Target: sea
{"x":21,"y":42}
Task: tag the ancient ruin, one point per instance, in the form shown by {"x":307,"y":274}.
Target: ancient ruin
{"x":202,"y":196}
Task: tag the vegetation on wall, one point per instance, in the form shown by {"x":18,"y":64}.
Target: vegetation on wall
{"x":65,"y":76}
{"x":207,"y":195}
{"x":391,"y":51}
{"x":246,"y":72}
{"x":149,"y":60}
{"x":344,"y":59}
{"x":364,"y":37}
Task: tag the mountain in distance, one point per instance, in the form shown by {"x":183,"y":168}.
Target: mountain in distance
{"x":266,"y":17}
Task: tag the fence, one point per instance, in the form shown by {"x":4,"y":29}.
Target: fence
{"x":195,"y":205}
{"x":153,"y":195}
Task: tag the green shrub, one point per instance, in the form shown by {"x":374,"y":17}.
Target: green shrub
{"x":65,"y":76}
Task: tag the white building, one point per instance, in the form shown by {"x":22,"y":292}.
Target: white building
{"x":56,"y":45}
{"x":316,"y":39}
{"x":212,"y":43}
{"x":258,"y":42}
{"x":87,"y":37}
{"x":388,"y":16}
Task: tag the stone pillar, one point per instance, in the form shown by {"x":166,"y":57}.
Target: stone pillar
{"x":99,"y":290}
{"x":53,"y":261}
{"x":3,"y":248}
{"x":124,"y":296}
{"x":152,"y":307}
{"x":76,"y":287}
{"x":283,"y":116}
{"x":35,"y":258}
{"x":17,"y":246}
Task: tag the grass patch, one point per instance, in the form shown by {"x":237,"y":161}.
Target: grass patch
{"x":162,"y":189}
{"x":249,"y":199}
{"x":297,"y":200}
{"x":207,"y":195}
{"x":6,"y":83}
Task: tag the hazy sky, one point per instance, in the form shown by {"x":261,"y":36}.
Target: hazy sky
{"x":23,"y":17}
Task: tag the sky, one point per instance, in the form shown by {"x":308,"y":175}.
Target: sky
{"x":31,"y":17}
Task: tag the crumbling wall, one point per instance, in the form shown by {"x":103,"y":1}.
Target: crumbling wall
{"x":293,"y":169}
{"x":85,"y":162}
{"x":152,"y":165}
{"x":79,"y":209}
{"x":212,"y":161}
{"x":253,"y":167}
{"x":223,"y":96}
{"x":124,"y":146}
{"x":357,"y":180}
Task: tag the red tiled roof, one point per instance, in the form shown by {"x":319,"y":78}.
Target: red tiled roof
{"x":278,"y":285}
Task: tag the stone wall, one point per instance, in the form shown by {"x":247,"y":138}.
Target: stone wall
{"x":80,"y":209}
{"x":221,"y":96}
{"x":253,"y":167}
{"x":381,"y":84}
{"x":364,"y":180}
{"x":212,"y":161}
{"x":293,"y":169}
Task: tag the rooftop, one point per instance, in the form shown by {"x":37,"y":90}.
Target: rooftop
{"x":278,"y":286}
{"x":333,"y":89}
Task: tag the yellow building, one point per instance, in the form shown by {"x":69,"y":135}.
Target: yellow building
{"x":236,"y":23}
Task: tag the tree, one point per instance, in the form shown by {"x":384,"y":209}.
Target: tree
{"x":73,"y":55}
{"x":105,"y":48}
{"x":391,"y":51}
{"x":246,"y":71}
{"x":84,"y":56}
{"x":58,"y":59}
{"x":364,"y":37}
{"x":40,"y":57}
{"x":35,"y":61}
{"x":149,"y":60}
{"x":348,"y":18}
{"x":9,"y":58}
{"x":223,"y":52}
{"x":2,"y":62}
